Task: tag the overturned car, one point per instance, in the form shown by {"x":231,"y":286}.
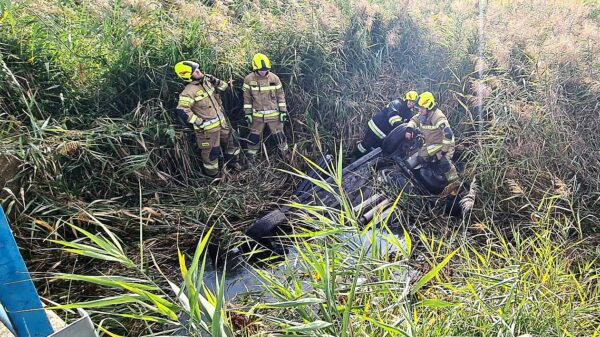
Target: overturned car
{"x":370,"y":184}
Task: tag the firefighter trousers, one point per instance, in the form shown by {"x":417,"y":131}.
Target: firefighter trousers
{"x":210,"y":143}
{"x":370,"y":141}
{"x":443,"y":164}
{"x":256,"y":133}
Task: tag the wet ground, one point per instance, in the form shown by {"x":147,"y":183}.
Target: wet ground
{"x":242,"y":280}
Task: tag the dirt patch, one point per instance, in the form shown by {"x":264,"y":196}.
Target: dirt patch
{"x":9,"y":166}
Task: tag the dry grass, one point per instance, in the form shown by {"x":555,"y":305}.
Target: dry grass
{"x":87,"y":92}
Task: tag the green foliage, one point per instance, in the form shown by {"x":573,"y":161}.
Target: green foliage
{"x":190,"y":306}
{"x":341,"y":279}
{"x":86,"y":120}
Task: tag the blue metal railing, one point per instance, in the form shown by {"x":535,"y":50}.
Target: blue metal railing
{"x":18,"y":295}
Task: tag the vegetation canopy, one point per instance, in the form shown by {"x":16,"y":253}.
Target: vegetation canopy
{"x":104,"y":188}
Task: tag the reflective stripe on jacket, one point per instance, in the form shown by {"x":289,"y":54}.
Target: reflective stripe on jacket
{"x":436,"y":131}
{"x":263,"y":93}
{"x":395,"y":113}
{"x":200,"y":101}
{"x":265,"y":114}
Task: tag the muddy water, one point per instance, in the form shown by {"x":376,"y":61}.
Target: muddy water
{"x":242,"y":280}
{"x":358,"y":183}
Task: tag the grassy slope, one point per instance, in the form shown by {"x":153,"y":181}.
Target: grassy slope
{"x":85,"y":110}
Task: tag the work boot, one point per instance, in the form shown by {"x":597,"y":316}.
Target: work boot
{"x":359,"y":151}
{"x":213,"y":179}
{"x":211,"y":175}
{"x":232,"y":162}
{"x":211,"y":170}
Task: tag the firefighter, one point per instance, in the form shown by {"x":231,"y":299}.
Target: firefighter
{"x":199,"y":103}
{"x":264,"y":105}
{"x":438,"y":145}
{"x":397,"y":112}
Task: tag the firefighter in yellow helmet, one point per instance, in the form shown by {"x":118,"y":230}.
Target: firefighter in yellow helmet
{"x":438,"y":146}
{"x":398,"y":111}
{"x":264,"y":104}
{"x":200,"y":104}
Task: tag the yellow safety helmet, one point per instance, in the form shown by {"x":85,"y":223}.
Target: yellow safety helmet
{"x":260,"y":62}
{"x":184,"y":70}
{"x":426,"y":100}
{"x":411,"y":96}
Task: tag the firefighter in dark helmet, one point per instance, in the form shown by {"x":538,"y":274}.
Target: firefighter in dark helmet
{"x":396,"y":112}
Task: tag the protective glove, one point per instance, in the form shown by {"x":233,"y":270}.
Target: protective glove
{"x":199,"y":121}
{"x":410,"y":133}
{"x":283,"y":116}
{"x":419,"y":140}
{"x":213,"y":80}
{"x":248,"y":118}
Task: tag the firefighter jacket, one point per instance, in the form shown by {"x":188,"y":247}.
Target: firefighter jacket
{"x":263,"y":95}
{"x":394,"y":114}
{"x":201,"y":104}
{"x":436,"y":131}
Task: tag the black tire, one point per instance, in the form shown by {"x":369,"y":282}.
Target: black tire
{"x":430,"y":181}
{"x":394,"y":140}
{"x":266,"y":227}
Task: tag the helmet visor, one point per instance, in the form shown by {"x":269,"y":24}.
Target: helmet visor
{"x":192,"y":65}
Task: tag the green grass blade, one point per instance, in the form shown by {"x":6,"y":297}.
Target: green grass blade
{"x":432,"y":273}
